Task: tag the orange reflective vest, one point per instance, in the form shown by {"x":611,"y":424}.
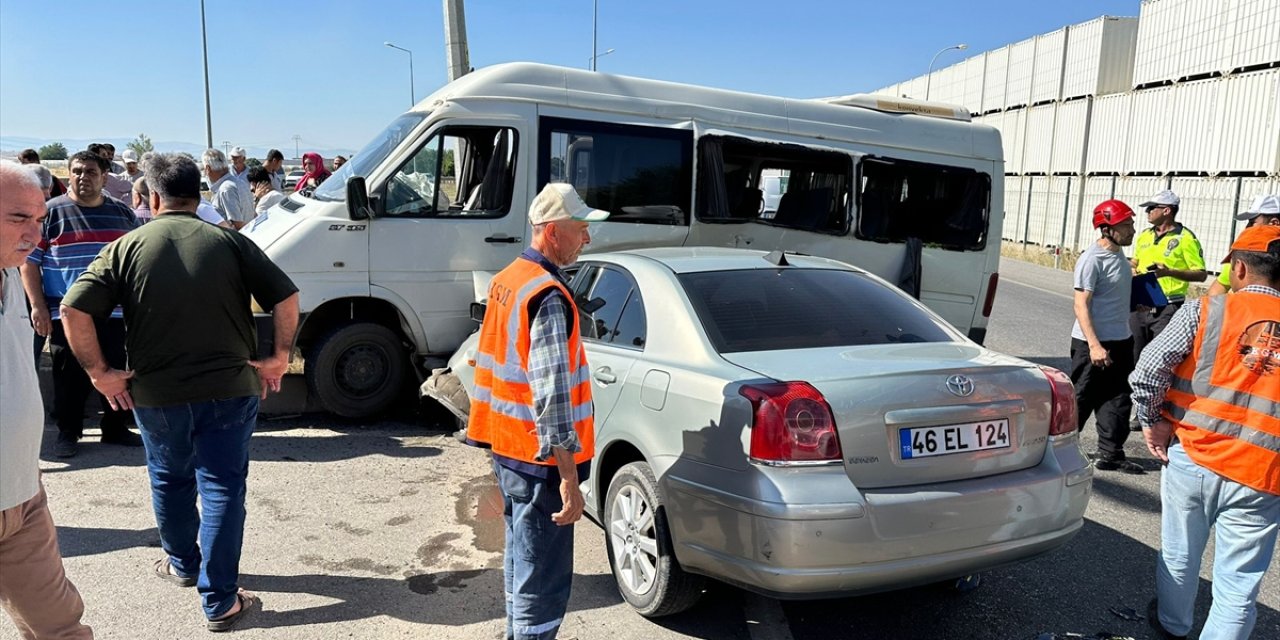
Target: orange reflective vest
{"x":502,"y":409}
{"x":1225,"y":397}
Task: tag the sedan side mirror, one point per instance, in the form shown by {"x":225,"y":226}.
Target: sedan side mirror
{"x":357,"y":199}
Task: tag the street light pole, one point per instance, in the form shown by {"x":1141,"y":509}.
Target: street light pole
{"x":208,"y":112}
{"x":928,"y":83}
{"x":595,"y":21}
{"x":592,"y":59}
{"x":413,"y":96}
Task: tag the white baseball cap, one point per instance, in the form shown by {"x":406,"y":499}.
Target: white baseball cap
{"x":129,"y":156}
{"x":1263,"y":205}
{"x":559,"y":201}
{"x":237,"y":152}
{"x":1164,"y":198}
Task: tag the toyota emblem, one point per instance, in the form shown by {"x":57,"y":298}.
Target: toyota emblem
{"x":960,"y":385}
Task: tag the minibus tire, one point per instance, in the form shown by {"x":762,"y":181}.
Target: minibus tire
{"x":357,"y":370}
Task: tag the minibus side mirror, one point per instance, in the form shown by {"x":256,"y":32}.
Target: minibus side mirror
{"x":477,"y":311}
{"x":357,"y":199}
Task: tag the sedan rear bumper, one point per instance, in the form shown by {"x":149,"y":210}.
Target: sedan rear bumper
{"x":874,"y":540}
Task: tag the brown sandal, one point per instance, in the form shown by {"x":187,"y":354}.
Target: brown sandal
{"x":164,"y":568}
{"x":247,"y":601}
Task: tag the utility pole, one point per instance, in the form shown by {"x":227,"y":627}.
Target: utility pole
{"x":296,"y":139}
{"x":226,"y":147}
{"x":208,"y":112}
{"x":457,"y":57}
{"x":595,"y":21}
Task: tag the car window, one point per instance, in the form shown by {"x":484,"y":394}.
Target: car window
{"x":602,"y":304}
{"x":462,"y":171}
{"x":630,"y":331}
{"x":792,"y":308}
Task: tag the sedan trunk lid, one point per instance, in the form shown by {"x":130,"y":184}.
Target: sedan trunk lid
{"x":877,"y":392}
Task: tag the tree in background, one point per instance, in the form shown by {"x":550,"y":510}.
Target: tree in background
{"x":252,"y":163}
{"x":142,"y":144}
{"x":53,"y":151}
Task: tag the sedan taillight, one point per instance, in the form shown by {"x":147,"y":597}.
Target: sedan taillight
{"x":792,"y":423}
{"x":1062,"y":418}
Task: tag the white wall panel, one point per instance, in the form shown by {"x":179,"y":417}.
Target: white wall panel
{"x":1095,"y":190}
{"x":993,"y":81}
{"x":1022,"y":61}
{"x":1014,"y":203}
{"x":1011,"y":126}
{"x":1249,"y":140}
{"x":1157,"y":53}
{"x":891,"y":90}
{"x":1039,"y":140}
{"x":1194,"y":126}
{"x":972,"y":83}
{"x":1208,"y":207}
{"x":1070,"y":134}
{"x":1134,"y":191}
{"x":1046,"y":83}
{"x":1204,"y":37}
{"x":1109,"y":137}
{"x":1149,"y":131}
{"x":1256,"y":25}
{"x":1115,"y":66}
{"x":1064,"y":205}
{"x":1037,"y":223}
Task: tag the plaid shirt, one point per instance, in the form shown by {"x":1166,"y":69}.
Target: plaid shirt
{"x":549,"y":373}
{"x":1151,"y":378}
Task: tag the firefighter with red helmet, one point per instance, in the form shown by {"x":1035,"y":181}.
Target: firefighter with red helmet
{"x":1101,"y":341}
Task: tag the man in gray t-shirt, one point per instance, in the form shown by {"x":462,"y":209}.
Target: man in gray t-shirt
{"x":1101,"y":342}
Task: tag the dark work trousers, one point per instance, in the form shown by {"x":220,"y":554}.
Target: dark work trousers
{"x":1104,"y":393}
{"x":1146,"y":325}
{"x":71,"y":385}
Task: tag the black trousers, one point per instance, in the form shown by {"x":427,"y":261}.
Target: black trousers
{"x":1104,"y":393}
{"x":71,"y":385}
{"x":1146,"y":325}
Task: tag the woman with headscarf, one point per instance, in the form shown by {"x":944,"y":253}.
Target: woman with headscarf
{"x":315,"y":170}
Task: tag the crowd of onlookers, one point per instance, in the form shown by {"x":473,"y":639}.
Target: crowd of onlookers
{"x":238,"y":193}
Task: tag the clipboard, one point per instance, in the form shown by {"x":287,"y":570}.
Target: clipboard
{"x":1146,"y":292}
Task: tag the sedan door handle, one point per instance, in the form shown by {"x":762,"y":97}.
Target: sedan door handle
{"x":504,"y":239}
{"x":604,"y":375}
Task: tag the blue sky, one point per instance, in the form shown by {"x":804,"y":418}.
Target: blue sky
{"x":105,"y":69}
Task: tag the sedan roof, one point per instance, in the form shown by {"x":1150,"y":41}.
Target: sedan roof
{"x":696,"y":259}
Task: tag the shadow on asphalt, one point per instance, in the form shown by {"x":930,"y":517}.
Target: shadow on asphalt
{"x":88,"y":541}
{"x":1069,"y":590}
{"x":439,"y":598}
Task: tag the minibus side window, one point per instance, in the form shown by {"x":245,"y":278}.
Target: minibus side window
{"x":460,"y":171}
{"x":944,"y":206}
{"x":778,"y":184}
{"x":637,"y":174}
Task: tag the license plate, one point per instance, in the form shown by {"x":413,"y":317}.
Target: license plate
{"x":922,"y":442}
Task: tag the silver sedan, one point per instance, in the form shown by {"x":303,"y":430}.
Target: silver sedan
{"x":800,"y":428}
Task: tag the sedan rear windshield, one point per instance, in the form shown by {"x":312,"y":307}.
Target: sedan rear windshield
{"x":790,"y":308}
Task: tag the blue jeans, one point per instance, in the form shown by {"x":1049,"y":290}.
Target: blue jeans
{"x":1246,"y":521}
{"x":201,"y":447}
{"x":538,"y":564}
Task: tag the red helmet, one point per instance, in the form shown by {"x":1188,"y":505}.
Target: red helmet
{"x":1111,"y":213}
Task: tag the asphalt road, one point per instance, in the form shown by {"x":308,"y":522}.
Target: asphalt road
{"x":392,"y":530}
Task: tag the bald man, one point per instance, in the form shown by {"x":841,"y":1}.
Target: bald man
{"x":34,"y":590}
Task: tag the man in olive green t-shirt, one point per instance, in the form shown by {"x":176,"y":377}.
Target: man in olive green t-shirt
{"x":193,"y":384}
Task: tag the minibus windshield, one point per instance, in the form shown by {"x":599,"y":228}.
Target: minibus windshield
{"x":334,"y":189}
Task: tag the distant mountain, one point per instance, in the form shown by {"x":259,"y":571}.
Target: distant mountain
{"x":11,"y":145}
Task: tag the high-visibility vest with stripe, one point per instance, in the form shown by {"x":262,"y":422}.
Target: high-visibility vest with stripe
{"x":1225,"y":397}
{"x":502,"y":410}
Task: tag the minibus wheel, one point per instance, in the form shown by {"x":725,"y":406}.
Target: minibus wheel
{"x":357,"y":370}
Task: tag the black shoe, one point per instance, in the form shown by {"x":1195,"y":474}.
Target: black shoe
{"x":1153,"y":619}
{"x":1121,"y":465}
{"x":124,"y":438}
{"x":65,"y":447}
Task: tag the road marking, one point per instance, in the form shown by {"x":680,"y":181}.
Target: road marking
{"x":1040,"y":289}
{"x":765,"y":618}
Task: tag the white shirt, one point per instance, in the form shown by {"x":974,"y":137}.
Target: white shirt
{"x":21,"y":406}
{"x":270,"y":200}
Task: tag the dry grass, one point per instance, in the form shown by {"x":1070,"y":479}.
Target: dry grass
{"x":1036,"y":254}
{"x":1067,"y":262}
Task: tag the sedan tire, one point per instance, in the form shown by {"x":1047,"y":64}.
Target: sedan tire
{"x":638,"y":541}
